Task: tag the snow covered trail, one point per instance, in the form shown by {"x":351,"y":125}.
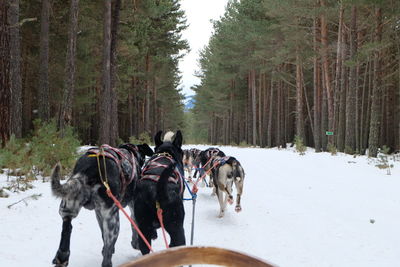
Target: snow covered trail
{"x":298,"y":211}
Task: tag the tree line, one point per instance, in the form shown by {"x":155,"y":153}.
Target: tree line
{"x":324,"y":71}
{"x":108,"y":68}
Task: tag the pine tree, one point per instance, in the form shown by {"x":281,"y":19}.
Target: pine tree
{"x":5,"y":93}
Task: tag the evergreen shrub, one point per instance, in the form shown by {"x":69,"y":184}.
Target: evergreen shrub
{"x":143,"y":138}
{"x":300,"y":147}
{"x":243,"y":144}
{"x":349,"y":150}
{"x":48,"y":148}
{"x":332,"y":149}
{"x":39,"y":154}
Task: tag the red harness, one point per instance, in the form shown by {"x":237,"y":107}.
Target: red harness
{"x":149,"y":171}
{"x":121,"y":158}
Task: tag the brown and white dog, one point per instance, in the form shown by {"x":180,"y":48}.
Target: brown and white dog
{"x":227,"y":171}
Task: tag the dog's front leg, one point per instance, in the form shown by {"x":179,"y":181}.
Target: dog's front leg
{"x":62,"y":257}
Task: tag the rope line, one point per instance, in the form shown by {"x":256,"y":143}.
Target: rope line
{"x":116,"y":201}
{"x":160,"y":218}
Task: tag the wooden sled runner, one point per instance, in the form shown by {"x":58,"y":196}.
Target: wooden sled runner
{"x":197,"y":255}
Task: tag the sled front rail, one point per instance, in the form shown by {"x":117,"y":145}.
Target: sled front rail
{"x":197,"y":255}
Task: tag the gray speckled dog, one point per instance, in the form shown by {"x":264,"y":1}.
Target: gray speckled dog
{"x":85,"y":189}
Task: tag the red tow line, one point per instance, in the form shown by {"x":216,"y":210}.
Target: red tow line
{"x":110,"y":194}
{"x":195,"y":188}
{"x":160,"y":219}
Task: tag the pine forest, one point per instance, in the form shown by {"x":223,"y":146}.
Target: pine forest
{"x":322,"y":72}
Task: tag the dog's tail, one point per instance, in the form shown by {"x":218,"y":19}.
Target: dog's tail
{"x":162,"y":190}
{"x":71,"y":187}
{"x":237,"y":170}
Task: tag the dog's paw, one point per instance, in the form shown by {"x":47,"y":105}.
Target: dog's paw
{"x":230,"y":200}
{"x":238,"y":208}
{"x":58,"y":263}
{"x":135,"y":244}
{"x":61,"y":259}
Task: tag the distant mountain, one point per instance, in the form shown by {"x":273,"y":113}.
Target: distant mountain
{"x":189,"y":102}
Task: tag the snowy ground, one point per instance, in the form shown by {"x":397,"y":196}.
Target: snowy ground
{"x":298,"y":211}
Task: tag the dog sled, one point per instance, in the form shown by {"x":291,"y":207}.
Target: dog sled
{"x":179,"y":256}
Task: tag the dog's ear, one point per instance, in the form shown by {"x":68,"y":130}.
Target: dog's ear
{"x":157,"y":139}
{"x":178,"y":139}
{"x":146,"y":150}
{"x":127,"y":146}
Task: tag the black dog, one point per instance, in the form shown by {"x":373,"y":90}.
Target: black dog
{"x":162,"y":183}
{"x":204,"y":159}
{"x":189,"y":155}
{"x":85,"y":188}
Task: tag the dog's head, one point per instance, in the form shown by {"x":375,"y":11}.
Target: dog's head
{"x":140,"y":151}
{"x":171,"y":144}
{"x":186,"y":156}
{"x":198,"y":158}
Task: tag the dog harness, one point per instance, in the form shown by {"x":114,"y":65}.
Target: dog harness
{"x":223,"y":160}
{"x":124,"y":159}
{"x":155,"y":166}
{"x":212,"y":152}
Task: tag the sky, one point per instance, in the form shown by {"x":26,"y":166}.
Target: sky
{"x":199,"y":15}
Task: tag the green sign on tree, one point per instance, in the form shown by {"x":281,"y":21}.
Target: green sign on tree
{"x":328,"y":133}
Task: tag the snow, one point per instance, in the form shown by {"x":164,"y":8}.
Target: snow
{"x":312,"y":210}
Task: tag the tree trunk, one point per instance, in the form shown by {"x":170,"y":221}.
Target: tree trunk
{"x":338,"y":71}
{"x":317,"y":89}
{"x":324,"y":117}
{"x":350,"y":140}
{"x":271,"y":102}
{"x":265,"y":110}
{"x":154,"y":109}
{"x":299,"y":101}
{"x":260,"y":125}
{"x":105,"y":102}
{"x":114,"y":133}
{"x":254,"y":107}
{"x":341,"y":129}
{"x":278,"y":114}
{"x":15,"y":69}
{"x":5,"y":93}
{"x":377,"y":90}
{"x":148,"y":88}
{"x":65,"y":116}
{"x":131,"y":106}
{"x":326,"y":71}
{"x":364,"y":101}
{"x":44,"y":103}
